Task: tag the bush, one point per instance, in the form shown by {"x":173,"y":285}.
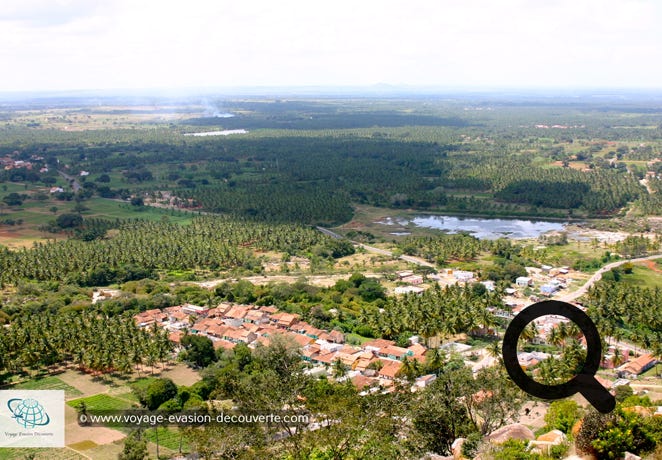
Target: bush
{"x":13,"y":199}
{"x":623,"y":392}
{"x":199,"y":350}
{"x":69,"y":220}
{"x":471,"y":444}
{"x":562,"y":415}
{"x":611,"y":435}
{"x":157,"y":392}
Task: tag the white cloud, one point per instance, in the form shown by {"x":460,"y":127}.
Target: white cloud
{"x":123,"y":43}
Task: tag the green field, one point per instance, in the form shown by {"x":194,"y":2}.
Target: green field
{"x":168,"y":437}
{"x":40,"y":454}
{"x":101,"y":402}
{"x":576,"y":250}
{"x":35,"y":213}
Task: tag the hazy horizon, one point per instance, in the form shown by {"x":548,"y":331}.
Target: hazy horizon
{"x":470,"y":45}
{"x":579,"y":94}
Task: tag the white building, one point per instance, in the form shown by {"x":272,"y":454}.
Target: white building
{"x":524,"y":281}
{"x":462,"y":275}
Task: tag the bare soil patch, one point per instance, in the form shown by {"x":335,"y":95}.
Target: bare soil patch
{"x":181,"y":374}
{"x":87,"y":384}
{"x":77,"y":435}
{"x":652,"y":265}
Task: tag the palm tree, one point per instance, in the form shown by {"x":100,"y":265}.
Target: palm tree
{"x":494,"y":350}
{"x":554,"y":337}
{"x":339,"y":369}
{"x":410,"y":369}
{"x":434,"y":360}
{"x":617,"y":359}
{"x":530,"y":332}
{"x":487,"y":319}
{"x":657,"y":351}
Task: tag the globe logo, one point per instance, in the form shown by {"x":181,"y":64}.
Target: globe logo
{"x":28,"y":412}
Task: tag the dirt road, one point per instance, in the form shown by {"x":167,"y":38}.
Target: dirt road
{"x":383,"y":252}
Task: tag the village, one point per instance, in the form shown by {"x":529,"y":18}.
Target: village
{"x":377,"y":363}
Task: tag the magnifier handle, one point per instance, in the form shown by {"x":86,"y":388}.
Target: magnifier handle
{"x":595,"y":393}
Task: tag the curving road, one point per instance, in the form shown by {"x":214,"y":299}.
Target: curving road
{"x":75,"y":185}
{"x":598,"y":275}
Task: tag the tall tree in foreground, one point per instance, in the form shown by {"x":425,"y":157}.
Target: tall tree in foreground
{"x":135,"y":447}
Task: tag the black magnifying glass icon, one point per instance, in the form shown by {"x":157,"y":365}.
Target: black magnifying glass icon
{"x":584,"y":382}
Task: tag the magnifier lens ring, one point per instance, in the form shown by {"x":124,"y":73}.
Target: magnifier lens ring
{"x":517,"y":325}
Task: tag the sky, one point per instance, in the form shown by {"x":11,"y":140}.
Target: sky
{"x":56,"y":45}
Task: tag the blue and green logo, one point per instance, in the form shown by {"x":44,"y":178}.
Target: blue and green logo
{"x":28,"y":412}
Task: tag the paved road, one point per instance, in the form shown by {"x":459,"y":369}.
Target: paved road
{"x":595,"y":278}
{"x":72,"y":181}
{"x":383,"y":252}
{"x":598,"y":275}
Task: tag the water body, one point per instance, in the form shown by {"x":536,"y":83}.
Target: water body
{"x":484,"y":228}
{"x":226,"y":132}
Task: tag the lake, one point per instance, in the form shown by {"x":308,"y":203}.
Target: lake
{"x":226,"y":132}
{"x":484,"y":228}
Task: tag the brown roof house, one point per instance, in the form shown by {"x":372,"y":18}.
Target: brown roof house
{"x":284,"y":320}
{"x":636,"y":366}
{"x":390,"y":369}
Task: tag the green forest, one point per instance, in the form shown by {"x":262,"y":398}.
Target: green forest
{"x":284,"y":169}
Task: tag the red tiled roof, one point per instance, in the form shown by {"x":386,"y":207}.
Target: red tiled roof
{"x":390,"y":368}
{"x":226,"y":344}
{"x":301,"y":339}
{"x":361,"y":381}
{"x":417,"y":349}
{"x":175,"y":336}
{"x":255,"y":315}
{"x":285,"y":319}
{"x":326,"y":358}
{"x":379,"y":343}
{"x":337,"y":336}
{"x":237,"y":312}
{"x":636,"y":366}
{"x":217,"y":330}
{"x":398,"y":352}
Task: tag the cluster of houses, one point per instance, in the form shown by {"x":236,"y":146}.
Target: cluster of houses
{"x":374,"y":364}
{"x":413,"y":281}
{"x":8,"y":163}
{"x":553,"y":279}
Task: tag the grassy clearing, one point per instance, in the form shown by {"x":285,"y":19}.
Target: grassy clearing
{"x":49,"y":383}
{"x":35,"y":214}
{"x":112,"y":209}
{"x":642,"y":276}
{"x":128,"y":396}
{"x":143,"y":383}
{"x":84,"y":445}
{"x":573,"y":251}
{"x":355,"y":338}
{"x":655,"y":371}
